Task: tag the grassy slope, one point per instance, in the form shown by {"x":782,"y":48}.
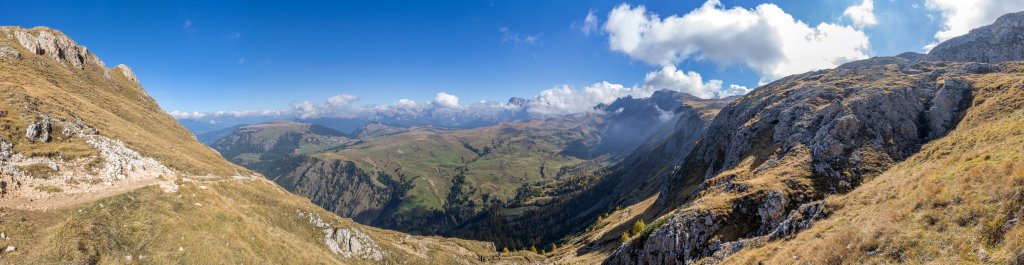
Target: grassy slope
{"x":209,"y":220}
{"x":117,"y":108}
{"x":518,"y":151}
{"x":949,"y":203}
{"x":224,"y":222}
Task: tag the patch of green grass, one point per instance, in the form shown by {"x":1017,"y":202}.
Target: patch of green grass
{"x":38,"y":171}
{"x":49,"y":188}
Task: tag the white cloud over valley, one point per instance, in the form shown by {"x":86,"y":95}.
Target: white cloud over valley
{"x":690,"y":82}
{"x":445,"y":100}
{"x":767,"y":39}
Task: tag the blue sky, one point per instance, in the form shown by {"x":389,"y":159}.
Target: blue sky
{"x":247,"y":55}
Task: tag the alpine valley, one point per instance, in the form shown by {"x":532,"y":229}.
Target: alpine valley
{"x":913,"y":158}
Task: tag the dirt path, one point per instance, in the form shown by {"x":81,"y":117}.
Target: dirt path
{"x":65,"y":200}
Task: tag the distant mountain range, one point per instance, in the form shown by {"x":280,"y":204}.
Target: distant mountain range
{"x":914,"y":158}
{"x":846,"y":165}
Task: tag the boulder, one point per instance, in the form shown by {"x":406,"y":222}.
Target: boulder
{"x":350,"y":242}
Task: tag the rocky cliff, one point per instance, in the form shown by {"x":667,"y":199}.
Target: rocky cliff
{"x":1002,"y":41}
{"x":760,"y":171}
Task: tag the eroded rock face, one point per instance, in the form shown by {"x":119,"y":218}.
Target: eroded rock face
{"x":56,"y":45}
{"x":1000,"y":42}
{"x":121,"y":162}
{"x":8,"y":52}
{"x":38,"y":131}
{"x":772,"y":209}
{"x":800,"y":219}
{"x":350,"y":242}
{"x":953,"y":95}
{"x":841,"y":121}
{"x":127,"y":72}
{"x":680,"y":240}
{"x":837,"y":127}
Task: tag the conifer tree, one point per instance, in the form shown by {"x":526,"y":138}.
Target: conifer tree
{"x":533,"y":249}
{"x":625,"y":237}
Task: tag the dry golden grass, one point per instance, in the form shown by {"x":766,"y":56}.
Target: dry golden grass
{"x":950,"y":203}
{"x":116,"y":107}
{"x":209,"y":221}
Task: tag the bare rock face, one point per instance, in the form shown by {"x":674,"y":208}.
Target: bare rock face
{"x":127,"y":72}
{"x":840,"y":125}
{"x":38,"y":131}
{"x":8,"y":52}
{"x":56,"y":45}
{"x":953,"y":94}
{"x":121,"y":162}
{"x":800,"y":219}
{"x":1000,"y":42}
{"x":7,"y":182}
{"x":350,"y":242}
{"x":680,"y":240}
{"x":772,"y":209}
{"x":839,"y":120}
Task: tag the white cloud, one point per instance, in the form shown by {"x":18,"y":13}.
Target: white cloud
{"x":183,"y":115}
{"x":518,"y":39}
{"x":343,"y":100}
{"x":734,"y":90}
{"x":960,"y":16}
{"x":445,"y":100}
{"x":195,"y":115}
{"x":405,"y":103}
{"x":589,"y":23}
{"x":335,"y":106}
{"x":563,"y":99}
{"x":766,"y":39}
{"x":690,"y":82}
{"x":862,"y":15}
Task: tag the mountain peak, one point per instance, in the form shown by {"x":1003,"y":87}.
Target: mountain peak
{"x":44,"y":41}
{"x":999,"y":42}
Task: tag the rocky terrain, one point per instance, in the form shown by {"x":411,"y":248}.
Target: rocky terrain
{"x":93,"y":171}
{"x":471,"y":177}
{"x":777,"y":161}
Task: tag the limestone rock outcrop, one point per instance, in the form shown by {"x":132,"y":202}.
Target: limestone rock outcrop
{"x":54,"y":44}
{"x":1000,"y":42}
{"x":127,"y":72}
{"x":350,"y":242}
{"x":681,"y":239}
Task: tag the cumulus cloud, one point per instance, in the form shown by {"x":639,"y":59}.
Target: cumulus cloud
{"x":960,"y":16}
{"x":690,"y":82}
{"x":445,"y":100}
{"x":563,"y":99}
{"x":195,"y":115}
{"x":405,"y":103}
{"x":342,"y":100}
{"x":766,"y":39}
{"x":517,"y":38}
{"x":334,"y":106}
{"x":184,"y":115}
{"x":862,"y":15}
